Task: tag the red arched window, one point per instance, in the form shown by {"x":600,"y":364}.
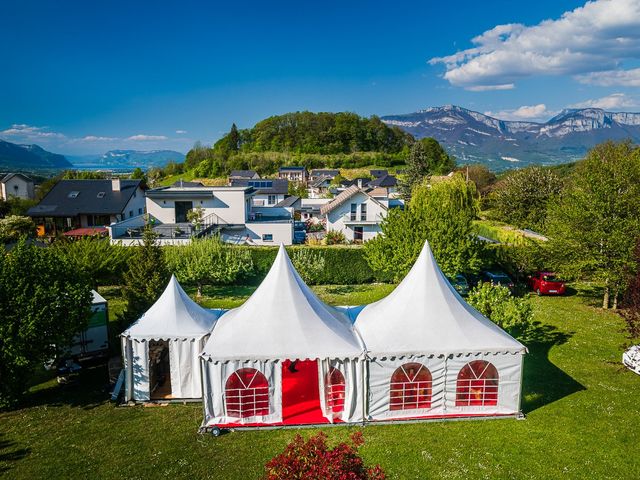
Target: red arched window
{"x":477,"y":385}
{"x":334,"y":386}
{"x":410,"y":387}
{"x":247,"y":393}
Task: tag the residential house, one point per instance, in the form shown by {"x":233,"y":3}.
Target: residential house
{"x":320,"y":187}
{"x":245,"y":174}
{"x":355,"y":213}
{"x":74,"y":204}
{"x":319,"y":173}
{"x":386,"y":185}
{"x":268,"y":192}
{"x":225,"y":210}
{"x":16,"y":185}
{"x":293,"y":174}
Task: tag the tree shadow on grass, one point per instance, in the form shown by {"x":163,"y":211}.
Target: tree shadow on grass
{"x":10,"y":453}
{"x":544,"y":382}
{"x":88,"y":391}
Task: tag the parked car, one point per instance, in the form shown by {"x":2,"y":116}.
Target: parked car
{"x":496,"y":277}
{"x":459,"y":282}
{"x":546,"y":283}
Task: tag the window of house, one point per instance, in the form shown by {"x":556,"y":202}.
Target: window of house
{"x":139,"y":211}
{"x":130,"y":213}
{"x":267,"y":237}
{"x":271,"y":199}
{"x":247,"y":393}
{"x":334,"y":388}
{"x":410,"y":387}
{"x":101,"y":194}
{"x":363,"y":211}
{"x":73,"y":194}
{"x":354,"y":211}
{"x":477,"y":385}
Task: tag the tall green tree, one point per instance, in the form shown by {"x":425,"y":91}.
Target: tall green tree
{"x":443,"y":214}
{"x":208,"y":261}
{"x":595,"y":224}
{"x":233,"y":139}
{"x":146,"y":277}
{"x":522,"y":197}
{"x":44,"y":303}
{"x":426,"y":158}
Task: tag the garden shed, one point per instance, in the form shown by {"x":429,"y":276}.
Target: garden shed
{"x":160,"y":350}
{"x":282,"y":358}
{"x":430,"y":354}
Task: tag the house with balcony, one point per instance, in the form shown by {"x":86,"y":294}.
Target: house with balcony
{"x":268,"y":192}
{"x":293,"y":174}
{"x":355,"y":213}
{"x":87,"y":206}
{"x":228,"y":211}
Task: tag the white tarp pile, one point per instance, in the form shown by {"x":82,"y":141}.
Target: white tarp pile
{"x":185,"y":326}
{"x":631,"y":359}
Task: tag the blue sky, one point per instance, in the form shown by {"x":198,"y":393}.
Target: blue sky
{"x":84,"y":77}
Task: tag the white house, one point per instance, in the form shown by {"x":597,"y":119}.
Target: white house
{"x":16,"y":185}
{"x":228,"y":211}
{"x":356,"y":214}
{"x":268,"y":192}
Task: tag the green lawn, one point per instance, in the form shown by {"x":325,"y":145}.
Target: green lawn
{"x":583,"y":419}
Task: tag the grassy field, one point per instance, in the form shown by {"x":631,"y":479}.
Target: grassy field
{"x":583,"y":418}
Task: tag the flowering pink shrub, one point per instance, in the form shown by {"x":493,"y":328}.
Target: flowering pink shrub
{"x":313,"y":460}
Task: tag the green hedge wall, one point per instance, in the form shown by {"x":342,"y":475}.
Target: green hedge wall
{"x":344,"y":265}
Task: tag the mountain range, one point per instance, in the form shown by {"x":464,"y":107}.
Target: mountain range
{"x":14,"y":156}
{"x":473,"y":137}
{"x":33,"y":158}
{"x":126,"y":159}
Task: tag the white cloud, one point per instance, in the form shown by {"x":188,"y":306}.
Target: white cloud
{"x":590,"y":42}
{"x":28,"y":132}
{"x":146,"y":138}
{"x":94,"y":138}
{"x":610,"y":78}
{"x":610,"y":102}
{"x":525,"y":112}
{"x":181,"y":132}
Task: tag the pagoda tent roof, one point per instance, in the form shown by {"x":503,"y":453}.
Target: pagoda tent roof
{"x":283,"y":319}
{"x":426,"y":315}
{"x":174,"y":315}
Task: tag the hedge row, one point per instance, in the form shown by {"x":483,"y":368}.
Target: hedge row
{"x":344,"y":265}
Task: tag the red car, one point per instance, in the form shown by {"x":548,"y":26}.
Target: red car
{"x":546,"y":283}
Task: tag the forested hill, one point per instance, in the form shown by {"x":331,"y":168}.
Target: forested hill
{"x":319,"y":133}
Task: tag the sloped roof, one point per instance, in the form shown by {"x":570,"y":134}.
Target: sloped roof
{"x":288,"y":202}
{"x":174,"y":315}
{"x":384,"y":181}
{"x":425,"y":315}
{"x":243,"y":174}
{"x":292,"y":168}
{"x":345,"y":195}
{"x":69,"y":198}
{"x":9,"y":176}
{"x":283,"y":319}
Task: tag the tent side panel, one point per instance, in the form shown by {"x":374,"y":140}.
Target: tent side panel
{"x":216,"y":376}
{"x":185,"y":367}
{"x":380,"y":373}
{"x":140,"y":370}
{"x":127,"y":364}
{"x":353,"y":394}
{"x":509,"y":368}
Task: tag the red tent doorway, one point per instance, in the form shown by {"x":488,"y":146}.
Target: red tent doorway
{"x":300,"y":393}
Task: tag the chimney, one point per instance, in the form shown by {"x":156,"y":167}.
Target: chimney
{"x":115,"y":184}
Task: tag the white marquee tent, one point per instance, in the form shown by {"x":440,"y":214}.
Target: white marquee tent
{"x":247,"y":371}
{"x":173,"y":330}
{"x":432,"y":355}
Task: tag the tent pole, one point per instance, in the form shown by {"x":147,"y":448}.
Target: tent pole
{"x":364,"y":390}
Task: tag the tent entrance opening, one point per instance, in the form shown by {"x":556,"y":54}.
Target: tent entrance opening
{"x":159,"y":369}
{"x":300,"y":393}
